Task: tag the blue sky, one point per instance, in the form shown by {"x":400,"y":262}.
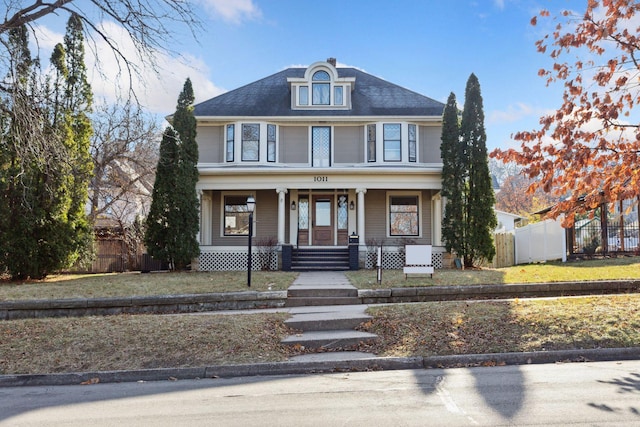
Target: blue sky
{"x":429,"y":46}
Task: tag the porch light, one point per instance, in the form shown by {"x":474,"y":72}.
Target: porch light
{"x":293,"y":205}
{"x":352,"y":205}
{"x":251,"y":206}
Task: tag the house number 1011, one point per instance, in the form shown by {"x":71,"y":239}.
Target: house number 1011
{"x":320,"y":179}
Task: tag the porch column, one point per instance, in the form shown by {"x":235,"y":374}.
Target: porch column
{"x":437,"y":220}
{"x":281,"y":211}
{"x":205,"y":234}
{"x":361,"y":192}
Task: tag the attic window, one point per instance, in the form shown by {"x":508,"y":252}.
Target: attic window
{"x":321,"y":88}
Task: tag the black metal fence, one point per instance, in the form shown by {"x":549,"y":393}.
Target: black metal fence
{"x":591,"y":238}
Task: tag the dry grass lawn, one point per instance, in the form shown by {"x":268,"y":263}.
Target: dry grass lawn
{"x":137,"y":284}
{"x":424,"y":329}
{"x":444,"y":328}
{"x":139,"y":342}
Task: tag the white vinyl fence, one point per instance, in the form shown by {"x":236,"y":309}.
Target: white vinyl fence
{"x":542,"y":241}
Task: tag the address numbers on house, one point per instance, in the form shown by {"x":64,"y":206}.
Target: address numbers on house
{"x":320,"y":179}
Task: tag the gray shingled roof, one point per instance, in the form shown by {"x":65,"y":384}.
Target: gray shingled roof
{"x":271,"y":97}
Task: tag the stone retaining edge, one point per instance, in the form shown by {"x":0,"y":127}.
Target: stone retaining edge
{"x":193,"y":303}
{"x":300,"y":368}
{"x":22,"y":309}
{"x":522,"y":290}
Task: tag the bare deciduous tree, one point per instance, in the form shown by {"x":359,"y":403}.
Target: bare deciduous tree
{"x":149,"y":24}
{"x":124,"y":149}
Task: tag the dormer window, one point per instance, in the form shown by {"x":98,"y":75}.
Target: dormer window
{"x":303,"y":98}
{"x":321,"y":88}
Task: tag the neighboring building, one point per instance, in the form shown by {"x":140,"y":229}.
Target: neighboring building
{"x":328,"y":153}
{"x":507,"y":221}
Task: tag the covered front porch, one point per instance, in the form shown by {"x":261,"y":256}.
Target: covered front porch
{"x":310,"y":212}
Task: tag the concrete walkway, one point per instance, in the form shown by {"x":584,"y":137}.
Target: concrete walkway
{"x":326,"y":327}
{"x":322,"y":279}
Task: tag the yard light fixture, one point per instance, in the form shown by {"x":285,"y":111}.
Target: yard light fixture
{"x":251,"y":206}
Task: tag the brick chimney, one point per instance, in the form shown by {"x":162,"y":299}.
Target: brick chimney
{"x":332,"y":61}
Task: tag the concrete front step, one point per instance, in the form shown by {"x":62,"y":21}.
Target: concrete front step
{"x":326,"y":321}
{"x":329,"y":339}
{"x":305,"y":267}
{"x":317,"y":301}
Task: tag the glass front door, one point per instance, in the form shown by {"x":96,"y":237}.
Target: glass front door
{"x":322,"y":222}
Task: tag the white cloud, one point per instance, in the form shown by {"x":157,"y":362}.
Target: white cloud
{"x":156,"y":89}
{"x":499,"y":4}
{"x":512,"y":114}
{"x":234,"y":11}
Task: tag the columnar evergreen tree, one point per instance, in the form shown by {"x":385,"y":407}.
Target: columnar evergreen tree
{"x":481,"y":218}
{"x":469,"y":218}
{"x":45,"y":164}
{"x":187,"y":201}
{"x":173,"y":222}
{"x":75,"y":124}
{"x":453,"y":177}
{"x":159,"y":233}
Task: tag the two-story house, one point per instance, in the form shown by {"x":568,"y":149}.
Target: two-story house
{"x":327,"y":153}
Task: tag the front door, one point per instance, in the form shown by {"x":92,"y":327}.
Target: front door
{"x":322,"y":220}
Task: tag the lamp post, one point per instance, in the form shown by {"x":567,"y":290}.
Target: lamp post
{"x":251,"y":205}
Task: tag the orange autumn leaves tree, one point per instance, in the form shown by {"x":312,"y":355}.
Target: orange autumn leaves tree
{"x":587,"y":151}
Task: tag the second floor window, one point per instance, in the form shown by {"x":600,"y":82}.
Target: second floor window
{"x":392,"y":146}
{"x":321,"y":146}
{"x":250,"y":142}
{"x":413,"y":146}
{"x":271,"y":143}
{"x":371,"y":143}
{"x":230,"y":145}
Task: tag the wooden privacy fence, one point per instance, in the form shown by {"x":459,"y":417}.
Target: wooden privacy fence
{"x":114,"y":256}
{"x":505,"y":250}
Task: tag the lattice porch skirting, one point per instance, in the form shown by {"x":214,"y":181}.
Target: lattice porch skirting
{"x":236,"y":261}
{"x":394,"y":259}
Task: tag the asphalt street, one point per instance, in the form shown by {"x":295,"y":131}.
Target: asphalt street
{"x":594,"y":393}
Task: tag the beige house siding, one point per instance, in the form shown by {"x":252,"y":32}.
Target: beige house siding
{"x":210,"y":141}
{"x":377,"y":217}
{"x":348,"y":144}
{"x":430,"y":144}
{"x":427,"y":218}
{"x":294,"y":144}
{"x":266,"y":215}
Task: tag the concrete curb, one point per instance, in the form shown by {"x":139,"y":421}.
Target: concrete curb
{"x":300,"y":368}
{"x":23,"y":309}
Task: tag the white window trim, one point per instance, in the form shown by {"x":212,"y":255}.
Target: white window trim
{"x":404,"y":143}
{"x":331,"y":147}
{"x":346,"y":83}
{"x":263,"y":158}
{"x":420,"y":213}
{"x":246,"y":194}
